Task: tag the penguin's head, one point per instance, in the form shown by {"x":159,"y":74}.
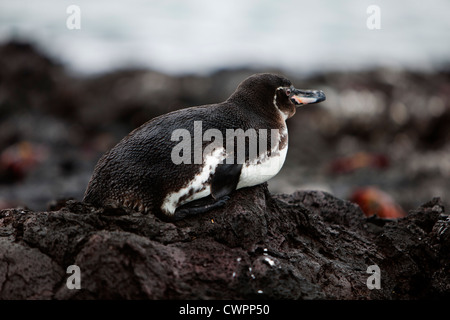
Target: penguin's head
{"x":276,"y":93}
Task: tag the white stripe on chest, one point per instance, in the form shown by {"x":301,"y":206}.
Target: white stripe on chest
{"x":254,"y":173}
{"x":198,"y":188}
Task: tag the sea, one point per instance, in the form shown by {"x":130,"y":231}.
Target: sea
{"x":201,"y":36}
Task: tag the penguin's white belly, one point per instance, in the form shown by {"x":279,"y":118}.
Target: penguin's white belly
{"x":261,"y":170}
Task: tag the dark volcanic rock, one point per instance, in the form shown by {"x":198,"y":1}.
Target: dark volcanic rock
{"x":308,"y":245}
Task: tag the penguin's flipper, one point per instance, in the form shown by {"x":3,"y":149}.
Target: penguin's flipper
{"x":225,"y":180}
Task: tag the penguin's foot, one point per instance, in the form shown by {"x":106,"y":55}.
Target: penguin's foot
{"x":183,"y":213}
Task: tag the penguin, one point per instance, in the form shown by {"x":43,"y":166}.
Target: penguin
{"x":191,"y":160}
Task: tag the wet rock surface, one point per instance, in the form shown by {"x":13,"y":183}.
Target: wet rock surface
{"x":308,"y":245}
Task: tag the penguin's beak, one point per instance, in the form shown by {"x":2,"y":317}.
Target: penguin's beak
{"x":301,"y":97}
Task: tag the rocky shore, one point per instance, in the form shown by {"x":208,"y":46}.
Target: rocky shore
{"x":308,"y":245}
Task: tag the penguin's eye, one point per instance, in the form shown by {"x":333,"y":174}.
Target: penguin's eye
{"x":288,"y":92}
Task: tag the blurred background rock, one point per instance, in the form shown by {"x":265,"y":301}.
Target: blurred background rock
{"x":382,"y":135}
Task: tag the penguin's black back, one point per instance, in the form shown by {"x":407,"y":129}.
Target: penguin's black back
{"x":140,"y":165}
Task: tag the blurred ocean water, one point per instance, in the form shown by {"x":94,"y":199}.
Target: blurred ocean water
{"x":199,"y":36}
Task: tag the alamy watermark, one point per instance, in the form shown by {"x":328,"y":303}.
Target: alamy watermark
{"x":374,"y":281}
{"x":73,"y":21}
{"x":189,"y":149}
{"x":73,"y":281}
{"x":373,"y":21}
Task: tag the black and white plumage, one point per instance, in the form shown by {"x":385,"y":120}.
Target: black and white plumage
{"x":140,"y":172}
